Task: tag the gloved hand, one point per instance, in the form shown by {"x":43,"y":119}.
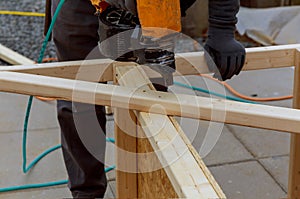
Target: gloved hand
{"x":129,"y":5}
{"x":226,"y":53}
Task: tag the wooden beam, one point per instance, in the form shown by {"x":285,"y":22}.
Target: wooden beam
{"x":270,"y":57}
{"x":125,"y":122}
{"x":294,"y":169}
{"x":177,"y":164}
{"x":126,"y":149}
{"x":199,"y":160}
{"x":13,"y":57}
{"x":252,"y":115}
{"x":187,"y":64}
{"x":98,"y":70}
{"x":151,"y":182}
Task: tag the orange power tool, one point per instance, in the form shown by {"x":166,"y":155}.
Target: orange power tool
{"x":154,"y":30}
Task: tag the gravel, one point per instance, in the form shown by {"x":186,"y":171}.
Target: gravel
{"x":21,"y":33}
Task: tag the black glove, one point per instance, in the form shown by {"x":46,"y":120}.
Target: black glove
{"x":226,"y":53}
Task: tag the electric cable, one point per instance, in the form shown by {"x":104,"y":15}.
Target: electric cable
{"x":20,"y":13}
{"x":213,"y":93}
{"x":30,"y":100}
{"x":41,"y":185}
{"x":239,"y":97}
{"x":238,"y":94}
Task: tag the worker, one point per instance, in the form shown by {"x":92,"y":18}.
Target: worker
{"x":75,"y":36}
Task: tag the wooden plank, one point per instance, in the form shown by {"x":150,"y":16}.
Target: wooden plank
{"x":199,"y":160}
{"x":294,"y":169}
{"x":13,"y":57}
{"x":187,"y":64}
{"x":270,"y":57}
{"x":252,"y":115}
{"x":125,"y":122}
{"x":153,"y":181}
{"x":126,"y":160}
{"x":173,"y":167}
{"x":99,"y":70}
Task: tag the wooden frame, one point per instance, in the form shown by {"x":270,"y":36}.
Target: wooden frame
{"x":135,"y":98}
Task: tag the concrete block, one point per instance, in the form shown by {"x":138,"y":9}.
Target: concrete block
{"x":109,"y":192}
{"x":50,"y":168}
{"x":112,"y":185}
{"x":260,"y":83}
{"x":13,"y":108}
{"x":278,"y":168}
{"x":247,"y":180}
{"x":262,"y":143}
{"x":45,"y":193}
{"x":214,"y":143}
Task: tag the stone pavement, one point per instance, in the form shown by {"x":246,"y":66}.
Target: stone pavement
{"x":248,"y":163}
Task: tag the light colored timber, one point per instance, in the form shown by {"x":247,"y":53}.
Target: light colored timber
{"x":175,"y":167}
{"x":294,"y":169}
{"x":90,"y":70}
{"x":199,"y":160}
{"x":13,"y":57}
{"x":125,"y":122}
{"x":126,"y":145}
{"x":187,"y":64}
{"x":252,"y":115}
{"x":151,"y":182}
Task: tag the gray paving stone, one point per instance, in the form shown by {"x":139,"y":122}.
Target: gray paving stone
{"x":266,"y":83}
{"x":49,"y":193}
{"x":110,"y":126}
{"x":12,"y":113}
{"x":262,"y":143}
{"x":110,"y":149}
{"x":217,"y":145}
{"x":50,"y":168}
{"x":112,"y":185}
{"x":247,"y":180}
{"x":109,"y":193}
{"x":279,"y":168}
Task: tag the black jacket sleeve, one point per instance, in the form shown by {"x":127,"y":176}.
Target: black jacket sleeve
{"x":184,"y":5}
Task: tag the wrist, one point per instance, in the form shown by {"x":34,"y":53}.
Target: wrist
{"x":221,"y":33}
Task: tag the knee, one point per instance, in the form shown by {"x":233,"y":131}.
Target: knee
{"x":64,"y":110}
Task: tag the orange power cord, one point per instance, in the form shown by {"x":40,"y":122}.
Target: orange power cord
{"x":236,"y":93}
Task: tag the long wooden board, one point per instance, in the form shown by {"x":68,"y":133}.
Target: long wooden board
{"x":177,"y":169}
{"x":13,"y":57}
{"x":252,"y":115}
{"x":126,"y":147}
{"x":187,"y":64}
{"x":294,"y":169}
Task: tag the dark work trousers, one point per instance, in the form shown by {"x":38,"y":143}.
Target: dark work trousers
{"x":75,"y":36}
